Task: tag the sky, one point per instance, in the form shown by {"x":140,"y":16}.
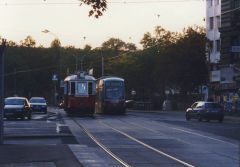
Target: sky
{"x":69,"y":21}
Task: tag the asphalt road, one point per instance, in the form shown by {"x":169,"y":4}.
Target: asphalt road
{"x":140,"y":139}
{"x":156,"y":139}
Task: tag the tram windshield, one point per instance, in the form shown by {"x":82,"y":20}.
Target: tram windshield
{"x":82,"y":88}
{"x":114,"y":90}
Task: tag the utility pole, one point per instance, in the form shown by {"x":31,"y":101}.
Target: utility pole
{"x":2,"y":53}
{"x":102,"y":66}
{"x":15,"y":81}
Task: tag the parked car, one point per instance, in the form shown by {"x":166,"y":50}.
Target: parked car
{"x":38,"y":104}
{"x":17,"y":107}
{"x":205,"y":110}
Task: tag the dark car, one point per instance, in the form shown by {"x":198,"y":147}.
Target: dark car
{"x":129,"y":103}
{"x":17,"y":107}
{"x":205,"y":110}
{"x":38,"y":104}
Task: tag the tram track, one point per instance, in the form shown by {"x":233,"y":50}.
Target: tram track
{"x":146,"y":145}
{"x":125,"y":164}
{"x":152,"y":148}
{"x":132,"y":139}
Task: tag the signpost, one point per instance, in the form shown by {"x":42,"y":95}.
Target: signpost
{"x":55,"y":79}
{"x":167,"y":92}
{"x":2,"y":53}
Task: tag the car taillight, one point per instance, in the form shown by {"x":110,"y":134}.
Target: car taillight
{"x":205,"y":110}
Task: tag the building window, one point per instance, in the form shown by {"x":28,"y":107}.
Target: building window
{"x":236,"y":3}
{"x":211,"y":2}
{"x":218,"y":45}
{"x":218,"y":22}
{"x":211,"y":23}
{"x":211,"y":46}
{"x":216,"y":2}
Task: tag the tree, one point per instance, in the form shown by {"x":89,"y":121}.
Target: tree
{"x":98,"y":7}
{"x":113,"y":44}
{"x":28,"y":42}
{"x":55,"y":43}
{"x":118,"y":45}
{"x":87,"y":48}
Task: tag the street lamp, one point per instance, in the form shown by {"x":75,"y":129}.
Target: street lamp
{"x":60,"y":60}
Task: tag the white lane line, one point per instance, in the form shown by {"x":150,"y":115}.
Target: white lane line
{"x":197,"y":134}
{"x":155,"y":131}
{"x":148,"y":146}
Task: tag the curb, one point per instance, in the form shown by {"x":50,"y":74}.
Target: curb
{"x":37,"y":136}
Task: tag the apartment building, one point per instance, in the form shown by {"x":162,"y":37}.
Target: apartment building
{"x":213,"y":23}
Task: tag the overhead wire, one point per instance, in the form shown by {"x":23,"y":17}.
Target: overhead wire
{"x":80,"y":3}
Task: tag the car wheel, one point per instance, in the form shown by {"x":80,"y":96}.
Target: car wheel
{"x":187,"y":117}
{"x":199,"y":118}
{"x":23,"y":117}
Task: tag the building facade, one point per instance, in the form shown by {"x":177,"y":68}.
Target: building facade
{"x":213,"y":23}
{"x":229,"y":64}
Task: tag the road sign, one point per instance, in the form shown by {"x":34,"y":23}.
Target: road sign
{"x":54,"y":77}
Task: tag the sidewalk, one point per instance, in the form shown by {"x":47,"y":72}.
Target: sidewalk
{"x":37,"y":143}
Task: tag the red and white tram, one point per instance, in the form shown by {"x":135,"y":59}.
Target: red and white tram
{"x":79,"y":94}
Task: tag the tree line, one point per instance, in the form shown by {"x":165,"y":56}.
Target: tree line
{"x":167,"y":59}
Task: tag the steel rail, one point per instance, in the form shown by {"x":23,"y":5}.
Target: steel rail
{"x":146,"y":145}
{"x":101,"y":145}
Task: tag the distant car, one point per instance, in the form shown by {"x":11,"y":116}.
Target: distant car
{"x":38,"y":104}
{"x":205,"y":110}
{"x":17,"y":107}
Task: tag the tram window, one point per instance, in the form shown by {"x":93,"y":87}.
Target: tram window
{"x":72,"y":88}
{"x":90,"y":88}
{"x":82,"y":88}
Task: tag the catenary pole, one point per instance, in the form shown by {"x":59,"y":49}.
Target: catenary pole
{"x":2,"y":52}
{"x":102,"y":66}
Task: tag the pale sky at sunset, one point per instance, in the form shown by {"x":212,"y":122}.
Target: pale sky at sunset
{"x":70,"y":22}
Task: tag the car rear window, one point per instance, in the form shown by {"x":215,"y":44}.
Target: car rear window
{"x":14,"y":101}
{"x":37,"y":101}
{"x":212,"y":105}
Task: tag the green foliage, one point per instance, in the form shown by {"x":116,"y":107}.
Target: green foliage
{"x":98,"y":7}
{"x":55,"y":43}
{"x":169,"y":59}
{"x":28,"y":42}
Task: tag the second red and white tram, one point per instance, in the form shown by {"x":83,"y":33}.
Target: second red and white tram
{"x":79,"y":94}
